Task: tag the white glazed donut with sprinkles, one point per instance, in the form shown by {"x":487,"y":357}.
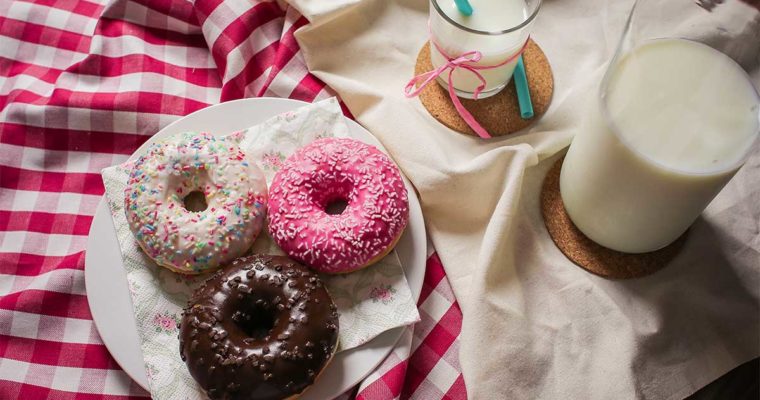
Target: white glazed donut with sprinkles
{"x":337,"y":170}
{"x":222,"y":223}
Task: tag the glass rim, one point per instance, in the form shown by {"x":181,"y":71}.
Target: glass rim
{"x":523,"y":24}
{"x":616,"y":131}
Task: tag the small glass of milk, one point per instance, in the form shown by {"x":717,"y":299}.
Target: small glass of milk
{"x":677,"y":115}
{"x":498,"y":29}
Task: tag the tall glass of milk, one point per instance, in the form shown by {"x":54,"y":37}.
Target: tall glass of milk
{"x":498,"y":29}
{"x":676,"y":117}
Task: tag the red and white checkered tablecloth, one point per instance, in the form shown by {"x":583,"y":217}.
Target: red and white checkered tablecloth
{"x":82,"y":85}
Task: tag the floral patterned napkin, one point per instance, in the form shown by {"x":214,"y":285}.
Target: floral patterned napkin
{"x":370,"y":301}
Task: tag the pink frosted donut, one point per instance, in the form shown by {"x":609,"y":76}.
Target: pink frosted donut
{"x":330,"y":171}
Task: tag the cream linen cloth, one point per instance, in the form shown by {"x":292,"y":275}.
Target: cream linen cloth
{"x":535,"y":325}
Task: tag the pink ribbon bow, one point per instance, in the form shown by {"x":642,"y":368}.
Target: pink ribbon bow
{"x":463,"y":62}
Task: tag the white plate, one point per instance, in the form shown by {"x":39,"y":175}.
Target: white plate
{"x":106,"y":280}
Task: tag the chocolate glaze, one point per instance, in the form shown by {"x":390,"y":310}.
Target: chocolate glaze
{"x":225,"y":337}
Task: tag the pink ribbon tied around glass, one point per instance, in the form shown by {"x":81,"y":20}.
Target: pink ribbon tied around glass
{"x":451,"y":65}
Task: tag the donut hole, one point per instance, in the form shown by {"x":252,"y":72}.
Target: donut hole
{"x":255,"y":321}
{"x":195,"y":201}
{"x":336,"y":206}
{"x":333,"y":193}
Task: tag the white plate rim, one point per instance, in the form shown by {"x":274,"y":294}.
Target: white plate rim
{"x":123,"y":341}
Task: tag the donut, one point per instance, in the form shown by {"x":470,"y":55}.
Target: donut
{"x":263,"y":327}
{"x":195,"y":202}
{"x":332,"y":171}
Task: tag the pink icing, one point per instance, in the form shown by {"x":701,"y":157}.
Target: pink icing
{"x":329,"y":170}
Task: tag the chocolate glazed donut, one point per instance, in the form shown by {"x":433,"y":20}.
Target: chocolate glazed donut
{"x":262,"y":328}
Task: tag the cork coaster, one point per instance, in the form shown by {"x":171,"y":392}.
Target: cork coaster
{"x":500,"y":113}
{"x":588,"y":254}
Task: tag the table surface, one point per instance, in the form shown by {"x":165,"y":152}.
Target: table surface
{"x":82,"y":85}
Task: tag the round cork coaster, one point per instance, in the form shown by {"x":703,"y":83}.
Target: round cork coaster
{"x":500,"y":113}
{"x":588,"y":254}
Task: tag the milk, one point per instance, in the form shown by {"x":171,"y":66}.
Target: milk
{"x":487,"y":16}
{"x":684,"y":118}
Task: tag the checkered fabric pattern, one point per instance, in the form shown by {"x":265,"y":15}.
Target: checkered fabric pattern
{"x":82,"y":85}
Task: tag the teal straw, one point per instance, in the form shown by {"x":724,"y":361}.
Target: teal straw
{"x":523,"y":93}
{"x":464,"y":7}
